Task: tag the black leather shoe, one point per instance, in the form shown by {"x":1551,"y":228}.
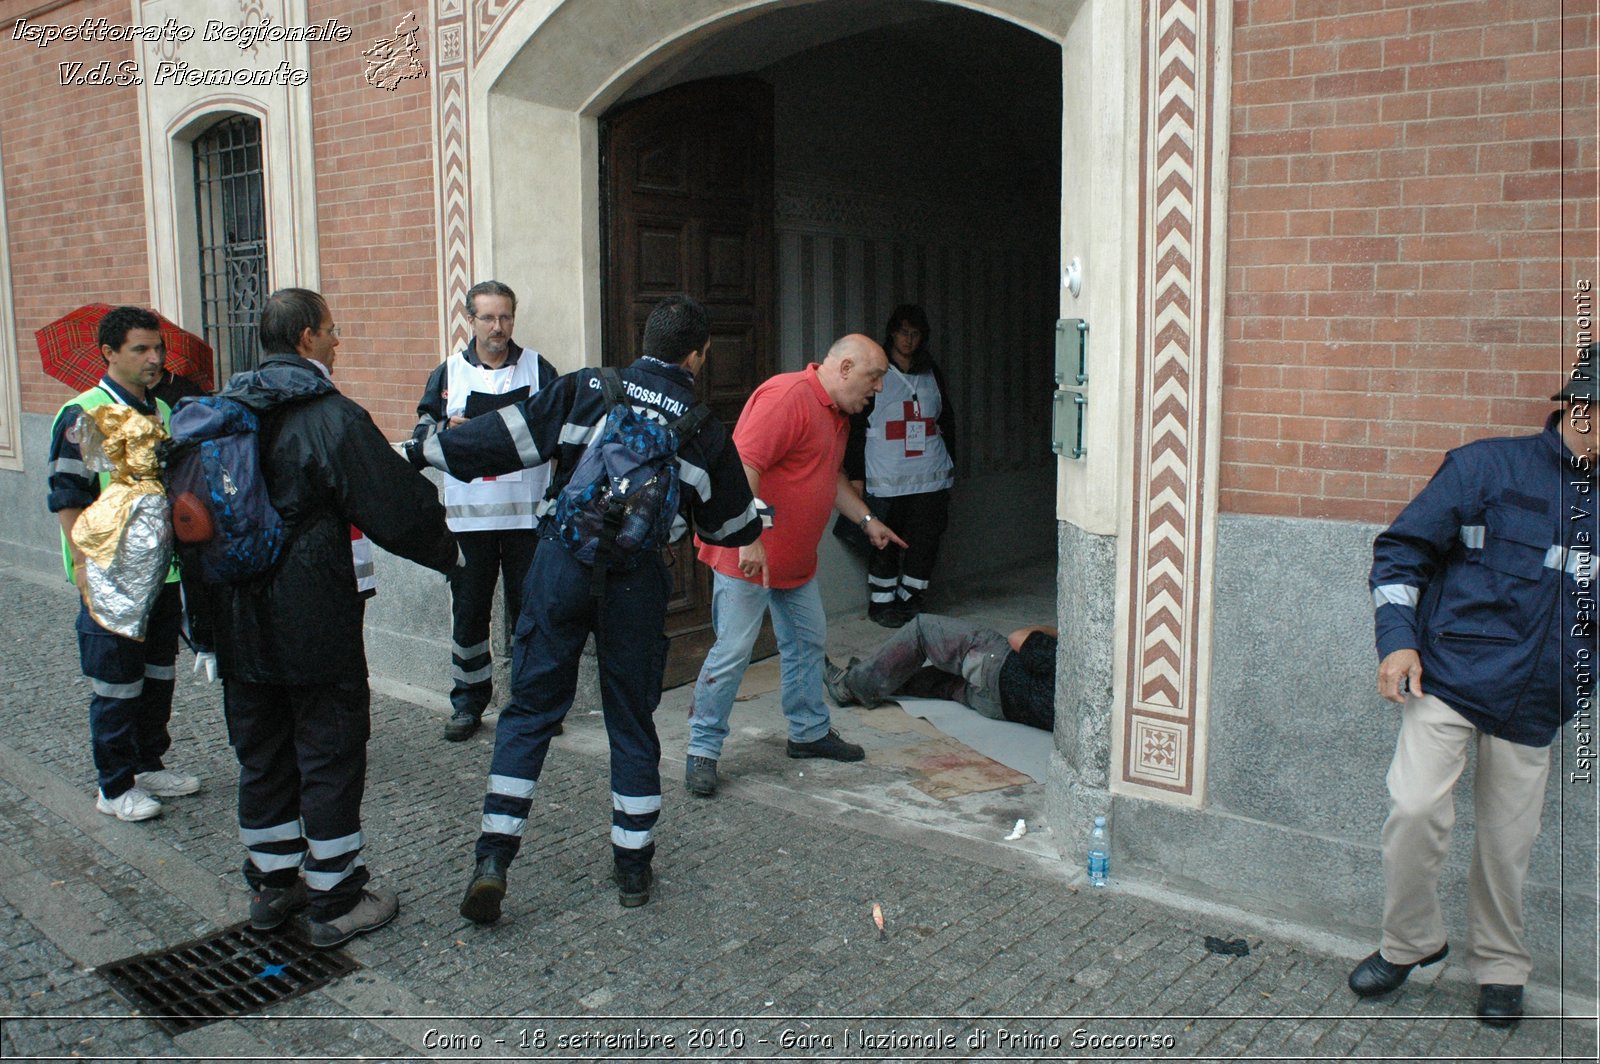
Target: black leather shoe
{"x":461,"y":726}
{"x":633,"y":886}
{"x":481,"y":904}
{"x":1375,"y":975}
{"x":830,"y":746}
{"x":1499,"y":1004}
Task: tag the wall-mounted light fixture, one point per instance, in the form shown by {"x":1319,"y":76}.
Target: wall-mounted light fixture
{"x":1072,"y":277}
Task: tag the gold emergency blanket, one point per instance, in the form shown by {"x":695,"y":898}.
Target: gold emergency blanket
{"x":126,"y":533}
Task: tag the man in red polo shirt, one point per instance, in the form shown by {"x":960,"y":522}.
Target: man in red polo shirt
{"x":791,"y":439}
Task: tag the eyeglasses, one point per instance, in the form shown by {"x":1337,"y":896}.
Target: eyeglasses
{"x":334,"y":329}
{"x":490,"y":319}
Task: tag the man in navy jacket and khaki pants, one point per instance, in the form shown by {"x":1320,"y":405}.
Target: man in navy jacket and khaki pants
{"x":1485,"y":623}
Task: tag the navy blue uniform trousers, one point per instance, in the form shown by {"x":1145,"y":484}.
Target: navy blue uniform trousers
{"x":302,"y":769}
{"x":920,"y":520}
{"x":558,"y":614}
{"x":503,"y":554}
{"x":132,"y":700}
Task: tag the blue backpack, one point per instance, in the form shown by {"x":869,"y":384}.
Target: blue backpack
{"x":622,"y":498}
{"x":221,"y":514}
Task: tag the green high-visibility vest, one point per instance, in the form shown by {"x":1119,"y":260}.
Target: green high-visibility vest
{"x":87,"y":401}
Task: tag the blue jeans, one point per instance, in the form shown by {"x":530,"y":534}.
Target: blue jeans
{"x":802,"y":631}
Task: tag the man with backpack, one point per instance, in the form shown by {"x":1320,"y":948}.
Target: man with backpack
{"x":613,"y":582}
{"x":289,"y":639}
{"x":132,"y":681}
{"x":492,"y":517}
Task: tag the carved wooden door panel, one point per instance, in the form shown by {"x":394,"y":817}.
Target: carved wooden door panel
{"x":686,"y":180}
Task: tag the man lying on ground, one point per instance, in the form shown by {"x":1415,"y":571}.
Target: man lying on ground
{"x":1006,"y":678}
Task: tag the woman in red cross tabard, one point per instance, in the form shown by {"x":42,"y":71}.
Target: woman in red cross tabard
{"x":902,"y":447}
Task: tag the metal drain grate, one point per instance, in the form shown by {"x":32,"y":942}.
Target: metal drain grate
{"x":235,"y":971}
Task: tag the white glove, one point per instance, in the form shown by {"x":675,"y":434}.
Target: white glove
{"x":207,"y":661}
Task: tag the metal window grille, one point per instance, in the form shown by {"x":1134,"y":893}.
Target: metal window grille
{"x":231,"y":222}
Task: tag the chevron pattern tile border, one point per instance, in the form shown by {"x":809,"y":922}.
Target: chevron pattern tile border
{"x":488,"y":19}
{"x":451,"y":136}
{"x":1162,"y":693}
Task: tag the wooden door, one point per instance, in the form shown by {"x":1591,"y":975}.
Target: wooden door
{"x":686,"y":180}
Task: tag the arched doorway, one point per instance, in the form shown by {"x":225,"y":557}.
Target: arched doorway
{"x":1141,"y":181}
{"x":840,"y":161}
{"x":519,"y":93}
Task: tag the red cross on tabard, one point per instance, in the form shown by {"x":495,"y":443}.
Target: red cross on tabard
{"x":896,"y":430}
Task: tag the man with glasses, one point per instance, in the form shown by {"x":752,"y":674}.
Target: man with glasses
{"x":492,"y":517}
{"x":289,"y":643}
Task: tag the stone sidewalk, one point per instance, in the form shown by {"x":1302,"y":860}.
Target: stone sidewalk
{"x":759,"y":942}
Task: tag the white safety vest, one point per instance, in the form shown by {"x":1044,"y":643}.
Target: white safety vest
{"x":905,"y":453}
{"x":508,"y":500}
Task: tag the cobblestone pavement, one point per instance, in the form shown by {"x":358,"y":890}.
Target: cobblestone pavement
{"x":759,"y":942}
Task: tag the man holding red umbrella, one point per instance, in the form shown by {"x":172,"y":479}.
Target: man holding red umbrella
{"x":132,"y":681}
{"x":69,"y":350}
{"x":173,"y":387}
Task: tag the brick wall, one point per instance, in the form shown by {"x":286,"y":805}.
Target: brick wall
{"x":375,"y":212}
{"x":74,"y":195}
{"x":75,"y":203}
{"x":1407,"y":222}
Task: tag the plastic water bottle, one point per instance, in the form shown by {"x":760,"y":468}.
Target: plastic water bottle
{"x":1099,"y":854}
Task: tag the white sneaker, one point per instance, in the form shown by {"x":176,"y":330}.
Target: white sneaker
{"x":132,"y":804}
{"x":166,"y":783}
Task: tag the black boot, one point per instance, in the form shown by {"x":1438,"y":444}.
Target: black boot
{"x":463,"y":724}
{"x":633,"y":885}
{"x":887,"y":614}
{"x":1499,"y":1004}
{"x":481,"y":903}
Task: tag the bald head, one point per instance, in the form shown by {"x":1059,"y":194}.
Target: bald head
{"x":852,"y":372}
{"x":856,"y":346}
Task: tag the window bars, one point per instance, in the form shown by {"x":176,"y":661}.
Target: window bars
{"x":231,"y":227}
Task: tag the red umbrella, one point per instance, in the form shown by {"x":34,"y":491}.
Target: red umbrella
{"x":70,"y":349}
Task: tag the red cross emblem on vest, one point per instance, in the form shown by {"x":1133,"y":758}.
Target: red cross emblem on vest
{"x":903,"y":429}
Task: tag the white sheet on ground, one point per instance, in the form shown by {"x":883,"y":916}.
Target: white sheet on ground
{"x":1016,"y":746}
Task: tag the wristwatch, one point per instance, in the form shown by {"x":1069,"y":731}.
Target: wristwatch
{"x":867,"y":520}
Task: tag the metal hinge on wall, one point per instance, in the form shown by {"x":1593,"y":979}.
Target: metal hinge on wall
{"x":1071,"y":399}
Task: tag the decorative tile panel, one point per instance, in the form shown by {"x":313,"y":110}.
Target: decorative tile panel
{"x":1159,"y":750}
{"x":1169,"y":460}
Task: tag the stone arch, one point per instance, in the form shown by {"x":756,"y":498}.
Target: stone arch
{"x":544,"y":72}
